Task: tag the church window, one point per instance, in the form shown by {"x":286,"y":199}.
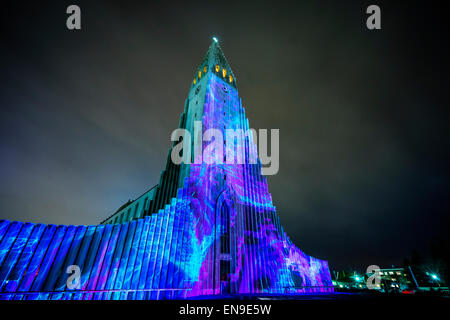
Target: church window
{"x":224,"y":72}
{"x":225,"y":236}
{"x":205,"y":69}
{"x":217,"y":68}
{"x":225,"y":269}
{"x":199,"y":74}
{"x":231,"y":79}
{"x":195,"y":81}
{"x":136,"y":211}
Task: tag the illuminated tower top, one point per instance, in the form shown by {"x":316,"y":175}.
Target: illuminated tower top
{"x":215,"y":61}
{"x":214,"y":102}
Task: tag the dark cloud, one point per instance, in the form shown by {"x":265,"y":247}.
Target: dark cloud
{"x":364,"y":177}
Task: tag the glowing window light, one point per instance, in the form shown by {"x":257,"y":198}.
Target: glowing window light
{"x":195,"y":81}
{"x":217,"y":68}
{"x":205,"y":69}
{"x":215,"y":40}
{"x":224,"y":72}
{"x":231,"y":79}
{"x":199,"y":74}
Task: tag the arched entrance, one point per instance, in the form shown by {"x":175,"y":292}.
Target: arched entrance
{"x":224,"y":242}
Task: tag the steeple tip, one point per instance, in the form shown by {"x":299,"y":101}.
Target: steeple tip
{"x":215,"y":61}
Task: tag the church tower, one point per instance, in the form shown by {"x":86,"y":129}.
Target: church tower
{"x":208,"y":228}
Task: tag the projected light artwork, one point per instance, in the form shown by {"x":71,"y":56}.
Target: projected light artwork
{"x":208,"y":228}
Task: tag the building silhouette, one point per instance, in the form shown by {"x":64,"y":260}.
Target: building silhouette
{"x":209,"y":226}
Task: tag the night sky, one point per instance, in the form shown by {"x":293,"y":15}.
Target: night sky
{"x":86,"y":116}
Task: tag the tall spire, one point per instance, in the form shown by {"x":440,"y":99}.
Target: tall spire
{"x":215,"y":57}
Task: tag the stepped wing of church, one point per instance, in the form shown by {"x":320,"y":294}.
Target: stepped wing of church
{"x":204,"y":229}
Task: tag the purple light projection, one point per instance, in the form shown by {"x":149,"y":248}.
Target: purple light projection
{"x":262,"y":259}
{"x":220,"y":235}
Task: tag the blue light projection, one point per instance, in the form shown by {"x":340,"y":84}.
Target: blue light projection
{"x":219,"y":236}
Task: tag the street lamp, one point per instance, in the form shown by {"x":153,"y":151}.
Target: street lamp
{"x":435,"y":278}
{"x":358,"y":280}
